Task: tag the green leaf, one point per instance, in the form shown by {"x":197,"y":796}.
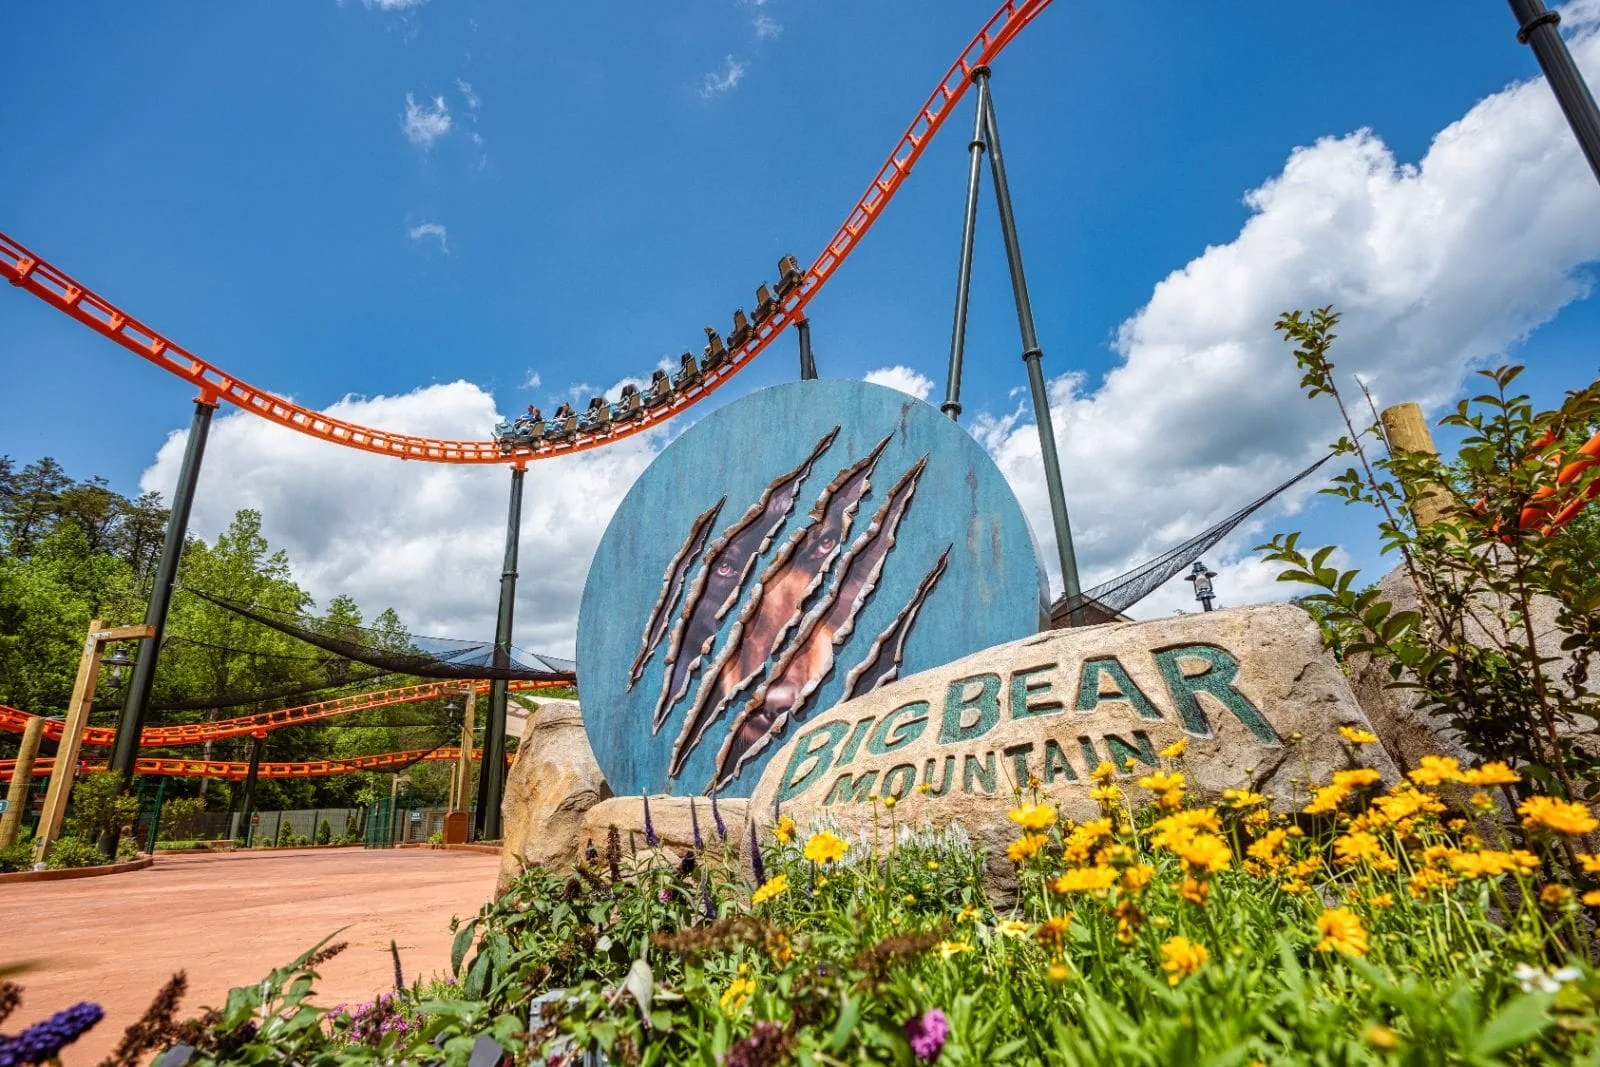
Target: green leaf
{"x":1522,"y":1019}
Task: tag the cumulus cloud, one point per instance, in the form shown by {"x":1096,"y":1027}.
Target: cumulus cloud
{"x":715,"y":84}
{"x":431,"y":229}
{"x":1438,"y":266}
{"x":424,"y":124}
{"x":904,"y":379}
{"x":423,"y":538}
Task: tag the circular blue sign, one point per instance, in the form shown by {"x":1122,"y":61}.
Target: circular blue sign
{"x":798,"y":547}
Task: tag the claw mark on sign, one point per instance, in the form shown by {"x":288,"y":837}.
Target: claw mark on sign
{"x":810,"y":656}
{"x":672,"y":586}
{"x":882,"y":664}
{"x":715,"y":589}
{"x":773,"y":609}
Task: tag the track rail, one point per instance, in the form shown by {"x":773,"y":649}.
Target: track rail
{"x":223,"y":769}
{"x":55,"y":287}
{"x":14,"y":719}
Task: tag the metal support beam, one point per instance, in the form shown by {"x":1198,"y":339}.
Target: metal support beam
{"x":1031,"y":353}
{"x":1536,"y":28}
{"x":21,"y":782}
{"x":969,"y":228}
{"x":808,"y":364}
{"x":492,"y":775}
{"x":257,"y":743}
{"x":126,"y":750}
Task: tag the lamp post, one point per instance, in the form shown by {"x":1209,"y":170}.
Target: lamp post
{"x":1201,"y":578}
{"x":66,"y":762}
{"x":1536,"y":28}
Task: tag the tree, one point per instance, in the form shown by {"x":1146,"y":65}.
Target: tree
{"x":30,"y":502}
{"x":99,"y":807}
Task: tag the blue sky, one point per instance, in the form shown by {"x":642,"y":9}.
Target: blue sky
{"x":244,"y":178}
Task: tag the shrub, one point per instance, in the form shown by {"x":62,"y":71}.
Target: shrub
{"x":73,"y":852}
{"x":99,"y":806}
{"x":19,"y":857}
{"x":180,"y":817}
{"x":127,"y":849}
{"x":285,"y":834}
{"x":324,"y":832}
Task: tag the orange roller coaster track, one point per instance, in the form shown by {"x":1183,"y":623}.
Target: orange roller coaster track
{"x":193,"y":768}
{"x":15,"y":720}
{"x":25,"y":269}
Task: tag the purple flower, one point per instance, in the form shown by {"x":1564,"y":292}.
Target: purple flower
{"x":756,"y":866}
{"x":44,"y":1041}
{"x":694,"y":821}
{"x":722,"y":827}
{"x":926,"y":1033}
{"x":650,"y":838}
{"x":665,"y":896}
{"x":707,"y":905}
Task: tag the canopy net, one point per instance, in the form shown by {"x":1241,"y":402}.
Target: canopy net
{"x":422,"y":657}
{"x":1109,"y":599}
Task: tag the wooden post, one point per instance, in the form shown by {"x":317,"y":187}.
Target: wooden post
{"x":1407,"y":431}
{"x":21,"y":781}
{"x":462,"y":798}
{"x":65,"y":767}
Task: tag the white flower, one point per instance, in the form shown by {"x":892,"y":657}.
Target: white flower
{"x":1533,"y":979}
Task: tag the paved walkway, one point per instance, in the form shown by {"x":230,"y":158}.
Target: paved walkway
{"x":228,"y":919}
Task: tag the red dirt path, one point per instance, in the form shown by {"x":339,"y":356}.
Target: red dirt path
{"x":228,"y":919}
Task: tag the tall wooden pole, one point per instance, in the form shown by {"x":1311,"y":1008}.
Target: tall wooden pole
{"x":462,"y":798}
{"x":21,"y":781}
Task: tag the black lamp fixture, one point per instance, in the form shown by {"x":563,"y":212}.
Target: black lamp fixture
{"x":118,"y":659}
{"x":1201,"y":578}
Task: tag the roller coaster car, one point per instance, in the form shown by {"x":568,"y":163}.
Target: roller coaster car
{"x":523,"y":433}
{"x":688,"y":372}
{"x":630,"y":406}
{"x":564,"y":426}
{"x":741,"y":330}
{"x":766,"y":304}
{"x":715,"y":354}
{"x":790,"y":276}
{"x":597,"y":418}
{"x":660,"y":390}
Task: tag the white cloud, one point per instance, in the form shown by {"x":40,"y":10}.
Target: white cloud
{"x":423,"y":124}
{"x":715,"y":84}
{"x":1438,"y":267}
{"x":474,"y":102}
{"x":767,"y":28}
{"x":431,"y":229}
{"x":423,"y":538}
{"x":532,"y":381}
{"x":904,"y":379}
{"x":392,"y":5}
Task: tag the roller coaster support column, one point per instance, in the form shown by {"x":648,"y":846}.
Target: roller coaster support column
{"x":258,"y":741}
{"x":808,"y":365}
{"x":492,"y":773}
{"x":969,"y":227}
{"x":1031,"y":353}
{"x":1536,"y":28}
{"x":21,"y":782}
{"x":126,"y":750}
{"x":461,"y":799}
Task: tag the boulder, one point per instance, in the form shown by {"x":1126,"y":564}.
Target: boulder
{"x":1251,"y":689}
{"x":554,"y":781}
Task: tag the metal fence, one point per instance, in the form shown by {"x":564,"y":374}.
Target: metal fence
{"x":282,"y":827}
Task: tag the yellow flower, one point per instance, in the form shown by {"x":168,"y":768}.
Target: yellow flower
{"x":776,"y":886}
{"x":1422,"y":884}
{"x":1085,"y":839}
{"x":1162,"y":781}
{"x":1025,"y":846}
{"x":783,"y":830}
{"x":1242,"y":798}
{"x":1436,"y":770}
{"x":1483,"y":802}
{"x":1357,"y":736}
{"x":1490,"y":863}
{"x":1013,"y":928}
{"x":825,"y":848}
{"x":1341,"y":932}
{"x":1057,"y":972}
{"x":925,"y":788}
{"x":1105,"y":794}
{"x":1592,"y":898}
{"x":1103,"y":772}
{"x":1382,"y":900}
{"x":1167,"y":832}
{"x":1195,"y":891}
{"x":952,"y":948}
{"x":1266,"y":847}
{"x":1033,"y":816}
{"x":1086,"y":880}
{"x":889,"y":802}
{"x":1204,"y":854}
{"x":1589,"y":862}
{"x":1380,"y":1036}
{"x":1405,"y":801}
{"x":933,"y":865}
{"x":1496,"y":773}
{"x":1294,"y":887}
{"x":966,"y":914}
{"x":910,"y":898}
{"x":1053,"y":931}
{"x":1554,"y":895}
{"x":1135,"y":878}
{"x":1181,"y":957}
{"x":1174,"y":750}
{"x":1326,"y":800}
{"x":1362,"y":847}
{"x":1357,"y":777}
{"x":1557,"y":816}
{"x":738,"y":991}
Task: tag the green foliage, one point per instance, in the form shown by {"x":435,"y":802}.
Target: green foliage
{"x":127,"y":849}
{"x":1489,"y":578}
{"x":324,"y":832}
{"x":73,"y":852}
{"x":18,"y":857}
{"x":98,"y":807}
{"x":180,"y":817}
